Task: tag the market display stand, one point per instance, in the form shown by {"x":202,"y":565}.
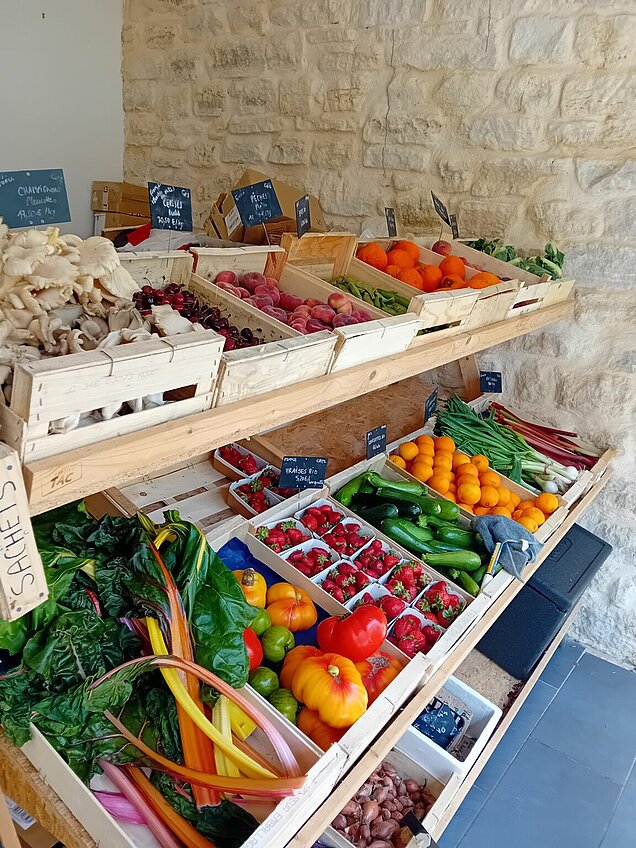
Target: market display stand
{"x":59,"y":479}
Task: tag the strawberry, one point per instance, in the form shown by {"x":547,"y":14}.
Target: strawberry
{"x":420,"y":639}
{"x":375,"y":547}
{"x":390,"y":561}
{"x":400,"y":590}
{"x":454,"y":601}
{"x":412,"y":621}
{"x":361,"y":580}
{"x":408,"y":646}
{"x":431,"y":634}
{"x":402,"y":627}
{"x":262,"y":534}
{"x":431,"y":616}
{"x":338,"y":595}
{"x":276,"y":537}
{"x":310,"y":522}
{"x":391,"y":606}
{"x":445,"y":617}
{"x":405,"y":574}
{"x":365,"y":560}
{"x":321,"y":557}
{"x":367,"y":600}
{"x":347,"y":568}
{"x":423,"y":605}
{"x":294,"y":536}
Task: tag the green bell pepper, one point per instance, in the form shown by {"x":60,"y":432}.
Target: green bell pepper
{"x":264,"y":680}
{"x":283,"y":701}
{"x":276,"y":642}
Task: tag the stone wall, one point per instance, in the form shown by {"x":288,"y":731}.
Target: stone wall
{"x":519,"y":113}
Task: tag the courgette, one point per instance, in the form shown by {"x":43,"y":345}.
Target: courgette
{"x":461,"y":560}
{"x":375,"y":515}
{"x":404,"y":486}
{"x":428,"y":506}
{"x":449,"y":511}
{"x":468,"y":584}
{"x":406,"y":509}
{"x":436,"y":521}
{"x":406,"y":534}
{"x":456,"y":536}
{"x":346,"y":494}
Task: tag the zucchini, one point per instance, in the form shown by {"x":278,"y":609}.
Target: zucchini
{"x":449,"y":511}
{"x":436,"y":521}
{"x":349,"y":490}
{"x":375,"y":515}
{"x":406,"y":534}
{"x":456,"y":536}
{"x":468,"y":584}
{"x":461,"y":560}
{"x":404,"y":486}
{"x":429,"y":506}
{"x":406,"y":509}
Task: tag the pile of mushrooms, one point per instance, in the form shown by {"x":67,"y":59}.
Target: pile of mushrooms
{"x":62,"y":294}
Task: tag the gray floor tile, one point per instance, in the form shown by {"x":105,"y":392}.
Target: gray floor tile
{"x":463,"y":818}
{"x":621,"y":832}
{"x":524,"y":723}
{"x":565,"y":658}
{"x":546,"y":799}
{"x":591,"y":718}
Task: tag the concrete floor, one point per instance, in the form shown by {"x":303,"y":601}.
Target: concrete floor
{"x":564,"y":775}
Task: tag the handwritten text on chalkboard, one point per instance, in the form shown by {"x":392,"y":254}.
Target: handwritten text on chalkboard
{"x":33,"y":198}
{"x":170,"y":207}
{"x":430,"y":407}
{"x":376,"y":441}
{"x":391,"y":224}
{"x":490,"y":381}
{"x":441,"y":209}
{"x":303,"y":472}
{"x":303,"y":216}
{"x":257,"y":203}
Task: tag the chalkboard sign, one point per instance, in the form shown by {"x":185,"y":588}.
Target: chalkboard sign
{"x":490,"y":381}
{"x":376,"y":441}
{"x":303,"y":216}
{"x":391,"y":224}
{"x":441,"y":210}
{"x":33,"y":198}
{"x":412,"y":823}
{"x":303,"y":472}
{"x":170,"y":207}
{"x":430,"y":407}
{"x":454,"y":227}
{"x":257,"y":203}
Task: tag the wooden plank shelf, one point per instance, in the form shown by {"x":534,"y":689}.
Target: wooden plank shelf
{"x":117,"y":461}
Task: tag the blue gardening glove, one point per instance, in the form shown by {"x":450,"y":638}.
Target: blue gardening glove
{"x":498,"y":528}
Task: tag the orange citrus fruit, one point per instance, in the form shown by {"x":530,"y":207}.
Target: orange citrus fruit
{"x":439,"y":483}
{"x":392,"y":270}
{"x":452,"y":488}
{"x":480,"y":462}
{"x":424,"y":439}
{"x":525,"y":505}
{"x":481,"y":510}
{"x":424,"y":457}
{"x":517,"y":514}
{"x":444,"y":443}
{"x":397,"y":460}
{"x":501,"y":510}
{"x":489,"y":478}
{"x":489,"y":496}
{"x":467,"y":507}
{"x":409,"y":247}
{"x":547,"y":503}
{"x":431,"y":277}
{"x":466,"y":478}
{"x":426,"y":450}
{"x":450,"y":497}
{"x":469,"y":468}
{"x":459,"y":458}
{"x":535,"y":514}
{"x":529,"y":523}
{"x":410,"y":277}
{"x":504,"y":496}
{"x":469,"y":493}
{"x":422,"y":471}
{"x":408,"y":450}
{"x":442,"y":460}
{"x":515,"y":500}
{"x":373,"y":254}
{"x":401,"y":258}
{"x":453,"y":265}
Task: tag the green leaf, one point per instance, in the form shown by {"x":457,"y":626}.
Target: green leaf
{"x":19,"y":690}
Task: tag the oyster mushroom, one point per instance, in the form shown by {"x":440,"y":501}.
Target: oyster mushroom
{"x":21,"y":261}
{"x":119,"y":283}
{"x":93,"y":330}
{"x":98,"y":257}
{"x":55,"y":271}
{"x":169,"y":322}
{"x":125,"y":319}
{"x":53,"y":298}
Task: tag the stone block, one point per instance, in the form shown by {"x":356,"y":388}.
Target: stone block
{"x":599,"y":94}
{"x":581,"y":391}
{"x":529,"y":90}
{"x":328,"y":123}
{"x":144,"y":66}
{"x":533,"y":382}
{"x":248,"y":18}
{"x":161,"y":36}
{"x":457,"y":172}
{"x":289,"y":151}
{"x":375,"y":13}
{"x":244,"y":151}
{"x":256,"y":124}
{"x":511,"y":176}
{"x":347,"y":96}
{"x":203,"y":155}
{"x":296,"y":96}
{"x":285,"y":51}
{"x":236,"y":56}
{"x":602,"y":175}
{"x":166,"y":158}
{"x":505,"y":133}
{"x":311,"y":13}
{"x":209,"y":100}
{"x":350,"y":57}
{"x":434,"y":46}
{"x":410,"y":92}
{"x":139,"y":95}
{"x":175,"y":101}
{"x":142,"y":130}
{"x":606,"y":42}
{"x":462,"y":93}
{"x":333,"y":34}
{"x":403,"y":129}
{"x":202,"y":23}
{"x":558,"y":219}
{"x":487,"y":218}
{"x":620,"y":219}
{"x":255,"y":96}
{"x":342,"y":194}
{"x":396,"y":157}
{"x":333,"y":155}
{"x":181,"y":67}
{"x":612,"y":267}
{"x":540,"y":39}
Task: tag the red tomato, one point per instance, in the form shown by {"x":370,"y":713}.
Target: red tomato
{"x":254,"y":648}
{"x":355,"y":636}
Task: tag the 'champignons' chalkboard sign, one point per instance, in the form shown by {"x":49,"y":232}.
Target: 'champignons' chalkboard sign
{"x":430,"y":407}
{"x":490,"y":381}
{"x":170,"y":207}
{"x":303,"y":216}
{"x":303,"y":472}
{"x":376,"y":441}
{"x":33,"y":198}
{"x":257,"y":203}
{"x":391,"y":223}
{"x":441,"y":210}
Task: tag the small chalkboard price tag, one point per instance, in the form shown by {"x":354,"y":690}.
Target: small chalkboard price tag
{"x":303,"y":216}
{"x":391,"y":223}
{"x":376,"y":441}
{"x":454,"y":227}
{"x":170,"y":207}
{"x":490,"y":381}
{"x":257,"y":203}
{"x":423,"y":838}
{"x":303,"y":472}
{"x":430,"y":407}
{"x":441,"y":210}
{"x":33,"y":198}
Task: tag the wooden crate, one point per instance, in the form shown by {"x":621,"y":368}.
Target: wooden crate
{"x":354,"y":345}
{"x":286,"y":357}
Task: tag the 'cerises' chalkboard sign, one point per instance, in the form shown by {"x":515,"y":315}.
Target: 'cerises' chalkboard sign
{"x":303,"y":472}
{"x":303,"y":216}
{"x":33,"y":198}
{"x":376,"y":441}
{"x":490,"y":381}
{"x":170,"y":207}
{"x":257,"y":203}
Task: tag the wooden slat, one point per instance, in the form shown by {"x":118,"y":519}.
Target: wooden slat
{"x":60,"y":479}
{"x":8,"y":835}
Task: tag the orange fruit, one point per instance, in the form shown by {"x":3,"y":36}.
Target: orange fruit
{"x":425,"y":457}
{"x":452,"y":488}
{"x":422,"y":471}
{"x":469,"y":468}
{"x":450,"y":497}
{"x":452,"y":282}
{"x":535,"y":514}
{"x":483,"y":279}
{"x":504,"y":496}
{"x":459,"y":458}
{"x":481,"y":510}
{"x":425,"y":439}
{"x":431,"y":277}
{"x":489,"y":496}
{"x":515,"y":500}
{"x":373,"y":254}
{"x":396,"y":459}
{"x":410,"y":277}
{"x":480,"y":462}
{"x":460,"y":479}
{"x":501,"y":510}
{"x":490,"y":478}
{"x":547,"y":503}
{"x":517,"y":514}
{"x":427,"y":450}
{"x":409,"y":247}
{"x":392,"y":270}
{"x":469,"y":493}
{"x":440,"y":483}
{"x":400,"y":258}
{"x":444,"y":443}
{"x":467,"y":507}
{"x":453,"y":265}
{"x":525,"y":505}
{"x":528,"y":523}
{"x":442,"y":460}
{"x":408,"y":450}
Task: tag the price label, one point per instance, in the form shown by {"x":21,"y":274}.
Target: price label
{"x":391,"y":223}
{"x":257,"y":203}
{"x":33,"y":198}
{"x":170,"y":207}
{"x":441,"y":210}
{"x":303,"y":216}
{"x":454,"y":227}
{"x":423,"y":838}
{"x":303,"y":472}
{"x":376,"y":441}
{"x":490,"y":381}
{"x":430,"y":407}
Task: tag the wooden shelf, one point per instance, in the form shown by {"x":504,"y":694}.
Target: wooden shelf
{"x":75,"y":474}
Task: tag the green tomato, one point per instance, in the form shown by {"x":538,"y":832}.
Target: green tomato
{"x":276,"y":641}
{"x":285,"y":703}
{"x":261,"y":622}
{"x":264,"y":680}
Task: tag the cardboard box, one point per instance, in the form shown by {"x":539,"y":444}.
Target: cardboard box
{"x":224,"y":221}
{"x":116,"y":221}
{"x":126,"y":198}
{"x":30,"y":833}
